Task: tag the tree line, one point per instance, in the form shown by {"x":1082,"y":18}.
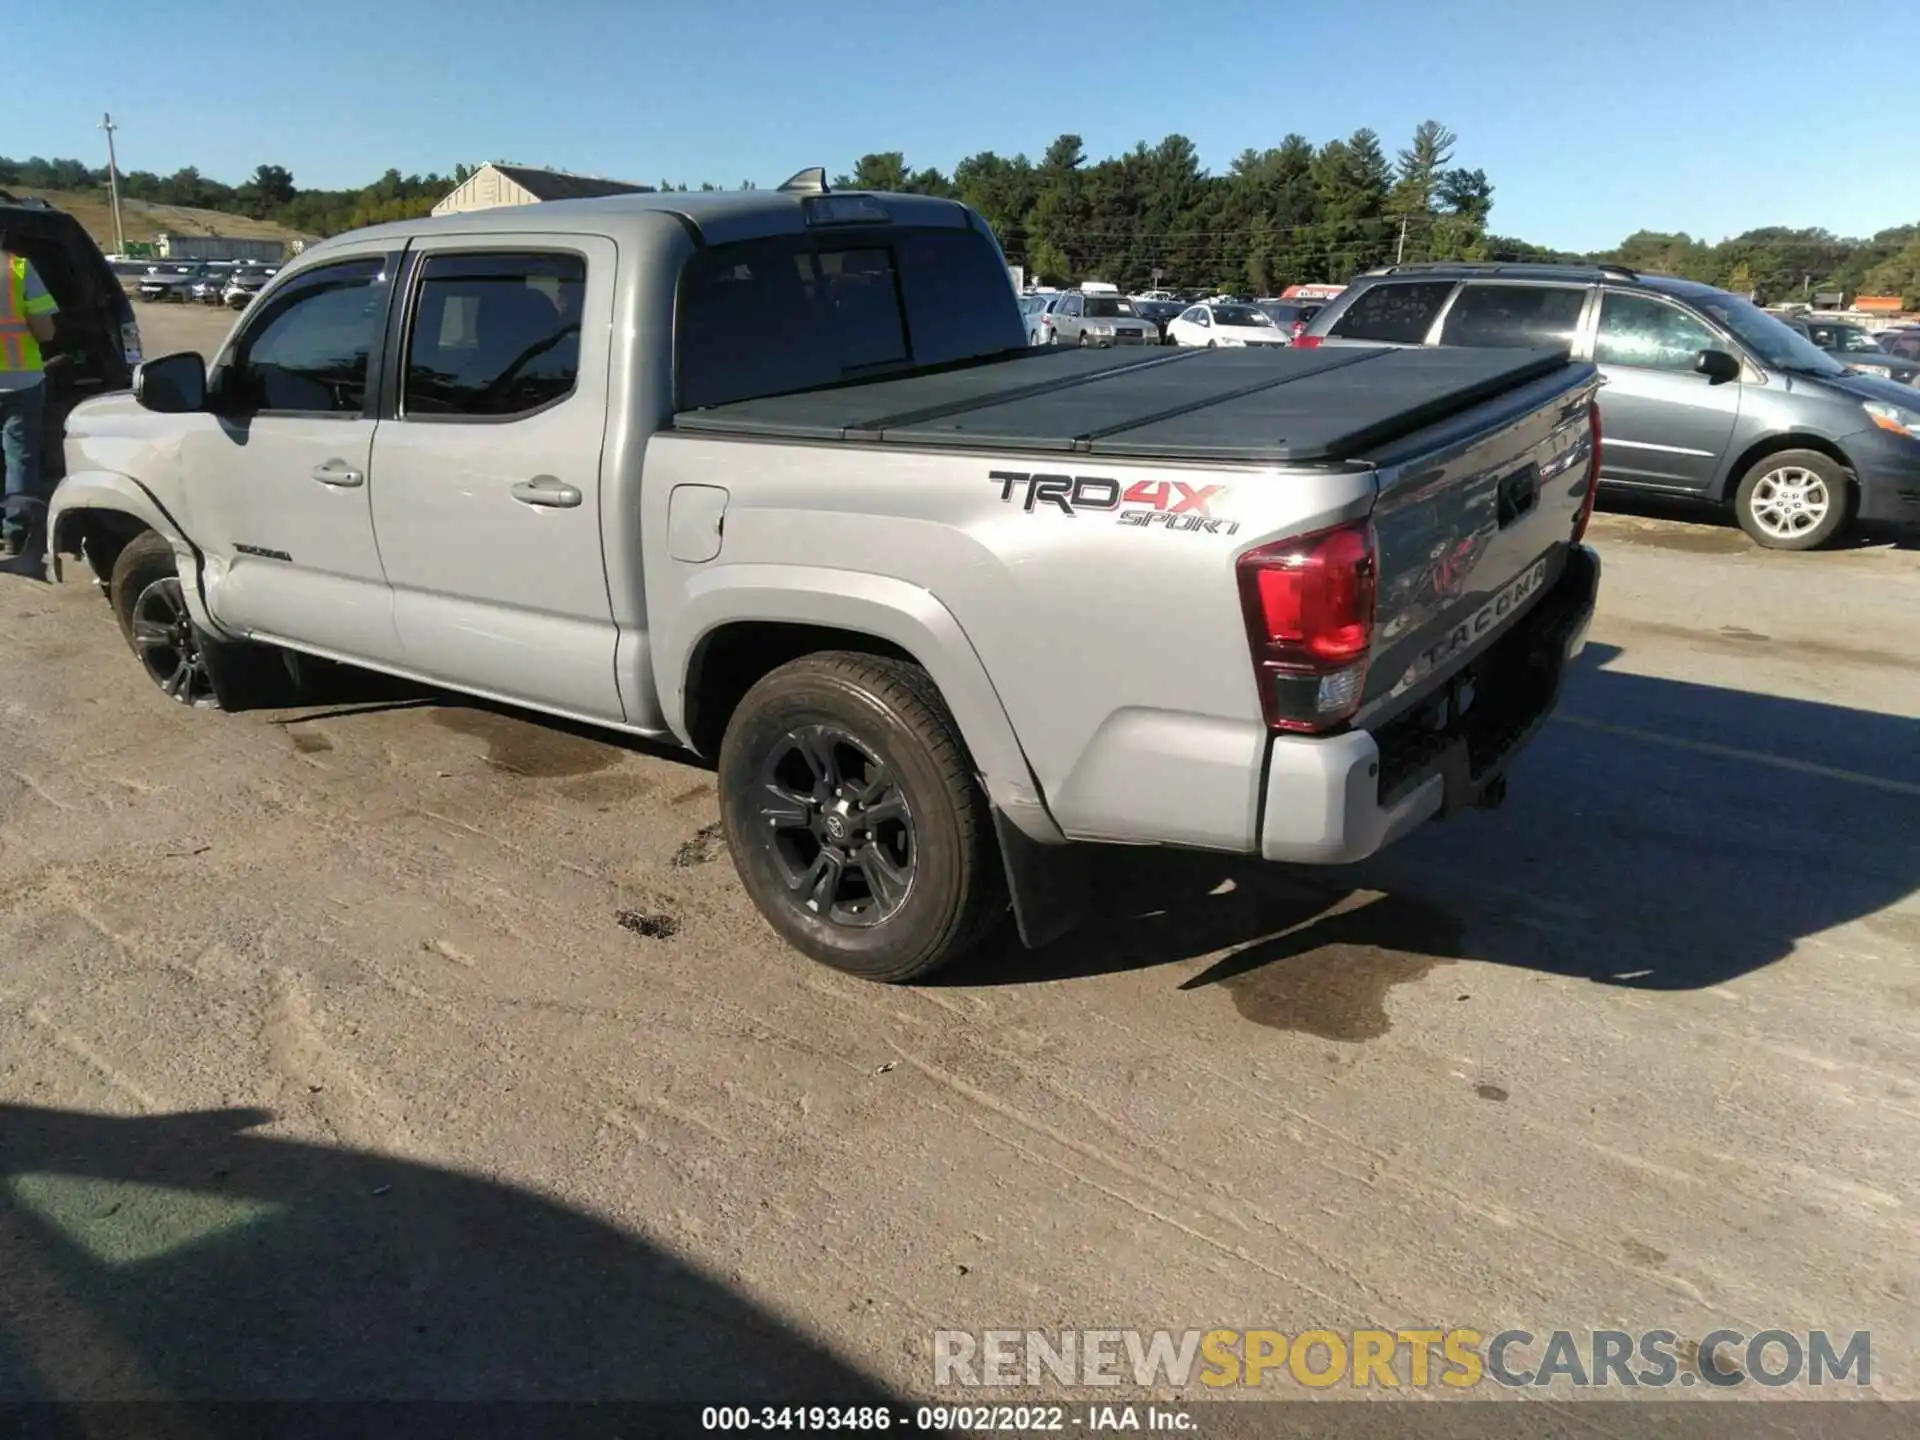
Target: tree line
{"x":1293,"y":213}
{"x":268,"y":194}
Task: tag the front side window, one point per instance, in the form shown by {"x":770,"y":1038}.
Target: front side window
{"x":1395,"y":314}
{"x":1639,"y":330}
{"x":308,"y":351}
{"x":1501,"y":315}
{"x":494,"y":336}
{"x":795,"y":312}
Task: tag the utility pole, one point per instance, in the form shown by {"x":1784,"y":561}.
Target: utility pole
{"x":113,"y":186}
{"x":1400,"y":250}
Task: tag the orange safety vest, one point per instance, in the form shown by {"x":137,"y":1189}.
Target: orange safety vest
{"x":18,"y":349}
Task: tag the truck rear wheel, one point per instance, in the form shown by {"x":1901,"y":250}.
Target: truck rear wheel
{"x":854,"y":817}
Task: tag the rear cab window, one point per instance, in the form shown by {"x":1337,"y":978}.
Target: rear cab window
{"x":795,"y":312}
{"x":1488,"y":315}
{"x":1395,"y":312}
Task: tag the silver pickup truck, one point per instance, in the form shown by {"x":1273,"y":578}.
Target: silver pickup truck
{"x":775,"y":475}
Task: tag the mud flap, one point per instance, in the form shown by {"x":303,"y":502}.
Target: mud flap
{"x":1051,"y":885}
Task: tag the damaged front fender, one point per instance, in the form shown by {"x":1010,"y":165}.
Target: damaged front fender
{"x":88,"y":495}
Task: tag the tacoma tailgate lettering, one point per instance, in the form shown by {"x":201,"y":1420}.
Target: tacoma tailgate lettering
{"x":1488,"y":618}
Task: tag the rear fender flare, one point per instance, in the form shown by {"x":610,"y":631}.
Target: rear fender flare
{"x":883,"y":607}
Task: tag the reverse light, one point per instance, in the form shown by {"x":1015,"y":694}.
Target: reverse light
{"x":1585,"y":517}
{"x":1897,"y":418}
{"x":1309,"y":609}
{"x":1307,"y":342}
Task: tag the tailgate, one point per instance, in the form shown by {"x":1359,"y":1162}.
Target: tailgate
{"x":1474,"y":521}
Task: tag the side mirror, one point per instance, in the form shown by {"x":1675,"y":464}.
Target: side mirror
{"x":172,"y":385}
{"x":1717,"y":365}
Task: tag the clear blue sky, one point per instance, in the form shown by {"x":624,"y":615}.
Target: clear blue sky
{"x":1591,"y":120}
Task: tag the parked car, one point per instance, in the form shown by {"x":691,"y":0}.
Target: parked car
{"x":210,"y":287}
{"x":1161,"y":312}
{"x":1901,"y":340}
{"x":173,"y":283}
{"x":1037,"y":311}
{"x":1857,"y":349}
{"x":1213,"y":325}
{"x":847,"y":534}
{"x":1098,"y":318}
{"x":244,"y":284}
{"x":96,"y":342}
{"x":1707,"y":396}
{"x":1292,"y":316}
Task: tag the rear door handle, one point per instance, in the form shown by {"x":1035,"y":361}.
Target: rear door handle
{"x":546,"y":491}
{"x":338,"y":472}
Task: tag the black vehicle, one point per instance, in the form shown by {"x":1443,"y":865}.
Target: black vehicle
{"x":1161,"y":312}
{"x":95,"y":343}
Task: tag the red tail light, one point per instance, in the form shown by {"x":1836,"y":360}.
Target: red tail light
{"x":1308,"y":342}
{"x":1309,"y":606}
{"x":1593,"y":474}
{"x":1299,"y":328}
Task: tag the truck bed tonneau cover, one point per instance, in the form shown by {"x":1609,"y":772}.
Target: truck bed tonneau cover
{"x":1259,"y":404}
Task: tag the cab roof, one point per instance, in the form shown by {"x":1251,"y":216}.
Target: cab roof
{"x":715,"y":216}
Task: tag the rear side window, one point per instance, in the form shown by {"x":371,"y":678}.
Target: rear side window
{"x":1495,"y":315}
{"x":766,"y":317}
{"x":494,"y":336}
{"x":1398,"y":314}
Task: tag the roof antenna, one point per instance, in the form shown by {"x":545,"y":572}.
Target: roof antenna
{"x":807,"y":182}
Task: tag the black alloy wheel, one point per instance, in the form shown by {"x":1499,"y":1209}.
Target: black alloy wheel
{"x":837,"y":825}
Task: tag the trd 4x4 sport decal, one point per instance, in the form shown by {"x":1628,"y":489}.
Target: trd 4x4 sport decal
{"x":1168,"y":504}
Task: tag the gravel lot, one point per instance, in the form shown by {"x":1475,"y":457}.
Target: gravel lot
{"x":347,"y":1079}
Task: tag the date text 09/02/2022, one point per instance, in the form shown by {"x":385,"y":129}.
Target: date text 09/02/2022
{"x":947,"y":1419}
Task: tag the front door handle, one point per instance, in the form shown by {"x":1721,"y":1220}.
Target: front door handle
{"x":546,"y":491}
{"x":338,"y":472}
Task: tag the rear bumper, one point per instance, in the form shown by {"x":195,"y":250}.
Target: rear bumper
{"x":1339,"y":799}
{"x":1888,"y":469}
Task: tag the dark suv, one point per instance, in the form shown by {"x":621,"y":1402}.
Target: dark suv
{"x":1706,"y":394}
{"x":95,"y":341}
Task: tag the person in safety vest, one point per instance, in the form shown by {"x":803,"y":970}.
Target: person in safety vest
{"x":26,"y":323}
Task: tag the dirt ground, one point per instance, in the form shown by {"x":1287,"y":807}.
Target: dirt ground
{"x":414,"y":1048}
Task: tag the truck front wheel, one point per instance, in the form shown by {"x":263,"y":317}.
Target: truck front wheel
{"x":189,"y":665}
{"x":855,"y":819}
